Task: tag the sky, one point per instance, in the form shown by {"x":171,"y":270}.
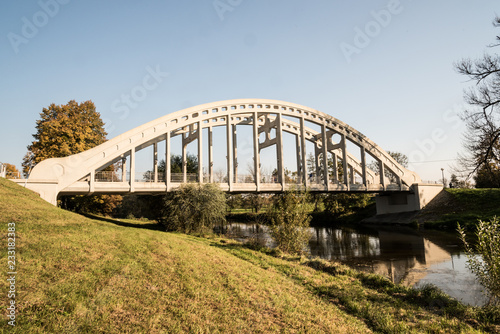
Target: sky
{"x":386,"y":68}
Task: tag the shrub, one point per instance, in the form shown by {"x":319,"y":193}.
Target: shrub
{"x":289,"y":221}
{"x":342,"y":204}
{"x":487,"y":266}
{"x":194,"y":208}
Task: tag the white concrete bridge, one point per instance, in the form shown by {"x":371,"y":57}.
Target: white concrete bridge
{"x":336,"y":169}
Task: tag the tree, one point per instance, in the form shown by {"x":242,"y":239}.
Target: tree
{"x":400,"y":158}
{"x":64,"y":130}
{"x":311,"y":166}
{"x":194,"y":208}
{"x":11,"y":171}
{"x":487,"y":177}
{"x":456,"y":182}
{"x":289,"y":221}
{"x":482,"y":143}
{"x":176,"y":164}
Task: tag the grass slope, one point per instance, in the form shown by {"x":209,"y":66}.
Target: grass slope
{"x":81,"y":275}
{"x":465,"y":206}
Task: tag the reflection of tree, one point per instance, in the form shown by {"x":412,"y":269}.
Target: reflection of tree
{"x":343,"y":244}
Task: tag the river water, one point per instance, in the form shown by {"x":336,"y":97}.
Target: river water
{"x":402,"y":254}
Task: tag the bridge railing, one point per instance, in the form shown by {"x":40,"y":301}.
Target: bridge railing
{"x":12,"y":175}
{"x":315,"y":181}
{"x":107,"y":176}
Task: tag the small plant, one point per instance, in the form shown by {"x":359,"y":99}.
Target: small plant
{"x":289,"y":221}
{"x":194,"y":208}
{"x":486,"y":265}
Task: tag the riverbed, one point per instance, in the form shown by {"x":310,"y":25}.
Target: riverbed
{"x":404,"y":255}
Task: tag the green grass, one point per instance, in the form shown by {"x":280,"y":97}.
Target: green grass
{"x":78,"y":274}
{"x":465,"y":206}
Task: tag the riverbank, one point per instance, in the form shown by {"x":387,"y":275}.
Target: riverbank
{"x":464,"y":206}
{"x":76,"y":274}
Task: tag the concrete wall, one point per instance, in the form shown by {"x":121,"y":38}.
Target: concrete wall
{"x":416,"y":199}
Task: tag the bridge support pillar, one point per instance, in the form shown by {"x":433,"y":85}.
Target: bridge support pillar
{"x":229,"y":141}
{"x":256,"y":155}
{"x":210,"y":156}
{"x":167,"y":161}
{"x":279,"y":152}
{"x":155,"y":162}
{"x":200,"y":153}
{"x":326,"y":176}
{"x":344,"y":160}
{"x":363,"y":166}
{"x":416,"y":199}
{"x":335,"y":169}
{"x":124,"y":169}
{"x":305,"y":178}
{"x":382,"y":173}
{"x":132,"y":170}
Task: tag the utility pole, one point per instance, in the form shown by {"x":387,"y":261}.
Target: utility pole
{"x":442,"y":173}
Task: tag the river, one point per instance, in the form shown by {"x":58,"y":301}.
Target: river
{"x":402,"y":254}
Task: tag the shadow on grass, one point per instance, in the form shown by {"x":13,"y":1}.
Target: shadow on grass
{"x":146,"y":226}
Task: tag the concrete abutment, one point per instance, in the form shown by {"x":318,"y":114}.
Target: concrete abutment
{"x":415,"y":199}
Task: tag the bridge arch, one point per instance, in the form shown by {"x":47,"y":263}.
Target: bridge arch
{"x":76,"y":174}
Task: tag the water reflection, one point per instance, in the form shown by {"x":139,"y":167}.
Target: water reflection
{"x":404,"y":255}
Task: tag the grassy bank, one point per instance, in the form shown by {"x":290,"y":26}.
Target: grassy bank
{"x":81,"y":275}
{"x":465,"y":206}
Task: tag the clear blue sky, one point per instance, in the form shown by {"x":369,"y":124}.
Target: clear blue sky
{"x":396,"y":84}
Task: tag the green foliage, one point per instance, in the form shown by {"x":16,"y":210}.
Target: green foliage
{"x":289,"y":221}
{"x":255,"y":202}
{"x":487,"y":177}
{"x":176,"y":164}
{"x":342,"y":204}
{"x":234,"y":201}
{"x":194,"y":208}
{"x":103,"y":205}
{"x":140,"y":206}
{"x":487,"y":266}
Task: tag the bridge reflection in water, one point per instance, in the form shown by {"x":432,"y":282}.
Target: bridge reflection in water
{"x":404,"y":255}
